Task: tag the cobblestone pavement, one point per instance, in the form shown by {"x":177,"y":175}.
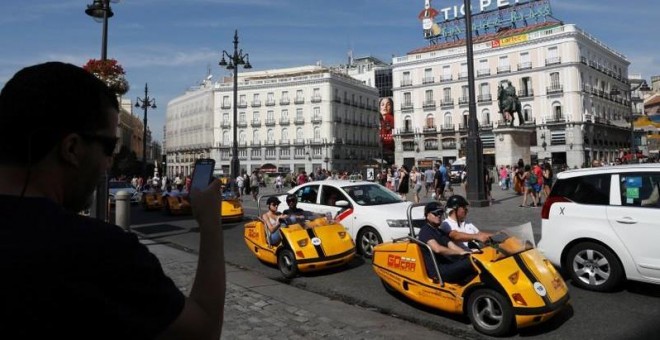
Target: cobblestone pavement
{"x":255,"y":309}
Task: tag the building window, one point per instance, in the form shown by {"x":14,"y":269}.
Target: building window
{"x":317,"y":133}
{"x":485,"y":117}
{"x":447,"y":122}
{"x":299,"y":134}
{"x":430,"y":121}
{"x":285,"y":134}
{"x":407,"y":99}
{"x":255,"y":136}
{"x":527,"y":113}
{"x":270,"y":135}
{"x":428,"y":96}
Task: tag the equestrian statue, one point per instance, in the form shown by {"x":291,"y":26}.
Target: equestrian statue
{"x":509,"y":103}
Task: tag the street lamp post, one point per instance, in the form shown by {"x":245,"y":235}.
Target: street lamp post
{"x":235,"y":59}
{"x":100,"y":10}
{"x":476,"y":190}
{"x":145,"y":103}
{"x":643,"y":87}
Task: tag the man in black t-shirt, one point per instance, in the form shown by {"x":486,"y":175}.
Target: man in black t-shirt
{"x":452,"y":261}
{"x":70,"y":276}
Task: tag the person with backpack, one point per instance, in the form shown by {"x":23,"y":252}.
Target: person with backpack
{"x":530,"y":181}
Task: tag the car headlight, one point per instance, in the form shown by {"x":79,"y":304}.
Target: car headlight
{"x":397,"y":223}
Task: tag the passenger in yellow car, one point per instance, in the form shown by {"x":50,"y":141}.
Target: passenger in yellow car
{"x":295,"y":214}
{"x":457,"y":227}
{"x":452,"y":261}
{"x":272,"y":220}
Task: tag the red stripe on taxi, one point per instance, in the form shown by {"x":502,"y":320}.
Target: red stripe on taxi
{"x":344,"y":214}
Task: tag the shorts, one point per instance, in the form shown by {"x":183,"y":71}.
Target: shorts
{"x":537,"y":187}
{"x":429,"y":185}
{"x":418,"y":188}
{"x":448,"y":185}
{"x":254,"y":190}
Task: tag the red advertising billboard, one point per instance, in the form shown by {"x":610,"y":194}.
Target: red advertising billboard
{"x":386,"y":123}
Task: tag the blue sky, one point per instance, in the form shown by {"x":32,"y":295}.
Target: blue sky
{"x":171,"y":44}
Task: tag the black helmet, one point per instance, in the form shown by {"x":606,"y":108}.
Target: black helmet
{"x":456,"y":201}
{"x":272,"y":200}
{"x":291,"y":198}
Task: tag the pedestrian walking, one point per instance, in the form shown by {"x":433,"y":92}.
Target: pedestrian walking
{"x":428,"y":180}
{"x":416,"y":180}
{"x":404,"y":182}
{"x":254,"y":185}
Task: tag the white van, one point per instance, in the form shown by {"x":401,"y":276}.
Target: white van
{"x":456,"y":170}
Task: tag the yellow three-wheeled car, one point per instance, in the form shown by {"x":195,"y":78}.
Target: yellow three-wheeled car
{"x":515,"y":285}
{"x":307,"y":246}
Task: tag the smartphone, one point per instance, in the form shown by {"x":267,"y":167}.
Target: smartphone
{"x":202,"y":173}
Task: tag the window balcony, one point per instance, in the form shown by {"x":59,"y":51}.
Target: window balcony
{"x":526,"y":93}
{"x":257,"y":143}
{"x":428,"y":80}
{"x":462,"y":75}
{"x":484,"y":98}
{"x":242,"y":105}
{"x":226,"y":124}
{"x":429,"y":105}
{"x":299,"y":121}
{"x":524,"y":66}
{"x":337,"y":99}
{"x":406,"y":106}
{"x":555,"y":89}
{"x":447,"y":102}
{"x":446,"y":78}
{"x":270,"y":102}
{"x":298,"y":141}
{"x":583,"y":60}
{"x":483,"y":72}
{"x":256,"y":123}
{"x":256,"y":103}
{"x":555,"y":119}
{"x":316,"y":99}
{"x":504,"y":69}
{"x":285,"y":142}
{"x":406,"y":131}
{"x":552,"y":61}
{"x":317,"y":119}
{"x":463,"y":100}
{"x":430,"y":129}
{"x":270,"y":142}
{"x":406,"y":82}
{"x":299,"y":100}
{"x":486,"y":125}
{"x":285,"y":101}
{"x":242,"y":123}
{"x":270,"y":122}
{"x":284,"y":121}
{"x":225,"y":106}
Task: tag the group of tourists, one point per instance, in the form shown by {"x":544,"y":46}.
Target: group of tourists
{"x":532,"y":181}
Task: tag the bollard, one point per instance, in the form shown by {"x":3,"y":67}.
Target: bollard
{"x":123,"y":209}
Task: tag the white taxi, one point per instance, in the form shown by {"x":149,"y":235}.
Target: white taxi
{"x":370,"y":212}
{"x":601,"y":225}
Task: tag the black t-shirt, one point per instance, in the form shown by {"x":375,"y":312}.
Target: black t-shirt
{"x":70,"y":276}
{"x":426,"y":233}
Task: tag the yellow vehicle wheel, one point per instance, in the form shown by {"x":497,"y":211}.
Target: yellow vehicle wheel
{"x":287,"y":263}
{"x":489,"y":312}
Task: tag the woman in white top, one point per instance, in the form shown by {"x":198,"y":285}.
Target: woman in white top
{"x":416,"y":180}
{"x":272,"y":219}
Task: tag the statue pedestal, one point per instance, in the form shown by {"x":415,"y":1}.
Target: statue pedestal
{"x":512,"y":144}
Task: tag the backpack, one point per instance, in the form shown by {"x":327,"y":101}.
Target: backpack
{"x":532,"y":178}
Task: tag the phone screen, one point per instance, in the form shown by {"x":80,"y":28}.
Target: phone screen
{"x":202,"y":173}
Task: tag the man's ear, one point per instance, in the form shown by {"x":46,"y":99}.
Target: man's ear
{"x":70,"y":150}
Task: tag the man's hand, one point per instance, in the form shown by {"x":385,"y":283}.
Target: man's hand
{"x":206,"y":204}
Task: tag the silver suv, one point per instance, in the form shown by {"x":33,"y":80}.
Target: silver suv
{"x":602,"y":225}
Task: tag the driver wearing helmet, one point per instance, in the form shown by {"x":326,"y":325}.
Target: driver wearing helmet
{"x":456,"y":226}
{"x":295,"y":214}
{"x":453,"y":266}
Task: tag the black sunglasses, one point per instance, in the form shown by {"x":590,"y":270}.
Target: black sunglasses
{"x":438,"y":212}
{"x":107,"y":143}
